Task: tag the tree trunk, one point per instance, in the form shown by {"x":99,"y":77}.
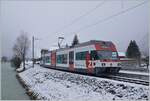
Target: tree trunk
{"x":24,"y":60}
{"x":23,"y":65}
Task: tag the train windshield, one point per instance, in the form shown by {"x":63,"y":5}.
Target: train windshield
{"x":98,"y":55}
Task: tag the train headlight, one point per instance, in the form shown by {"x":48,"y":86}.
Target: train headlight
{"x":110,"y":64}
{"x":103,"y":64}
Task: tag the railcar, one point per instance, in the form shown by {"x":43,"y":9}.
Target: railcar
{"x":92,"y":57}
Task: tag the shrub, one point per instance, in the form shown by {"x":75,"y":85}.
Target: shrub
{"x":16,"y":62}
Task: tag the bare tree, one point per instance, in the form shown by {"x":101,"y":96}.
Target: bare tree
{"x":21,"y":47}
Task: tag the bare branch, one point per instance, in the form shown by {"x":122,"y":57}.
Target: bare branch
{"x":21,"y":46}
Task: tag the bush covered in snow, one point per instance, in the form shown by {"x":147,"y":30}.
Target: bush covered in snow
{"x":16,"y":62}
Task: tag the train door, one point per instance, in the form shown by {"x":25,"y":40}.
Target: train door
{"x":71,"y":60}
{"x":53,"y":58}
{"x":89,"y":63}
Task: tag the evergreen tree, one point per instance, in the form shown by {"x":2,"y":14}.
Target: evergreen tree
{"x":67,"y":46}
{"x":75,"y":40}
{"x":129,"y":50}
{"x":133,"y":50}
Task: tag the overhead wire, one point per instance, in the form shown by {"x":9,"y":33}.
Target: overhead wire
{"x":102,"y":20}
{"x":111,"y":17}
{"x":81,"y":16}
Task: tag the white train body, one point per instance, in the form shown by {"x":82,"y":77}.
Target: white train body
{"x":94,"y":57}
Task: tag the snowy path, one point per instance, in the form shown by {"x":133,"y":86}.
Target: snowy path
{"x":63,"y":86}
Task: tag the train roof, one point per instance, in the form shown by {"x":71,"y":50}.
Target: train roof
{"x":91,"y":42}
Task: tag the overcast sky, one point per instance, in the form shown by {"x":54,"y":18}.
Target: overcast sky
{"x":47,"y":20}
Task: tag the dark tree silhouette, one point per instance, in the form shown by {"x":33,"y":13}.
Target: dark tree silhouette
{"x":133,"y":50}
{"x":75,"y":41}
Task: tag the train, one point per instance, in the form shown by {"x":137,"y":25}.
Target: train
{"x":91,"y":57}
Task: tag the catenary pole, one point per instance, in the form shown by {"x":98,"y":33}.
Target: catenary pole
{"x":33,"y":51}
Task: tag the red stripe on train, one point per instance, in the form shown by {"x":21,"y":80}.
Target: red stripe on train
{"x":90,"y":69}
{"x":99,"y":47}
{"x":71,"y":67}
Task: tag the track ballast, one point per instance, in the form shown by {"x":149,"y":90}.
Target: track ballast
{"x":111,"y":76}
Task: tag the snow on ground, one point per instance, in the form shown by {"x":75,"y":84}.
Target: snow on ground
{"x":27,"y":66}
{"x":20,"y":69}
{"x":133,"y":72}
{"x":63,"y":86}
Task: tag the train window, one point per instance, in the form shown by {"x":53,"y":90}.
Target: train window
{"x":94,"y":55}
{"x":62,"y":59}
{"x":78,"y":56}
{"x":114,"y":55}
{"x":43,"y":59}
{"x":81,"y":55}
{"x":47,"y":59}
{"x":104,"y":54}
{"x":58,"y":58}
{"x":71,"y":57}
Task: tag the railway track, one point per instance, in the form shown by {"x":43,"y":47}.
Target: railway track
{"x":114,"y":77}
{"x":130,"y":80}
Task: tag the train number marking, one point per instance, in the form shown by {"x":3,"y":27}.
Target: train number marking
{"x":91,"y":64}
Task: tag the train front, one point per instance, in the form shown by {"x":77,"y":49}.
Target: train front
{"x":104,"y":59}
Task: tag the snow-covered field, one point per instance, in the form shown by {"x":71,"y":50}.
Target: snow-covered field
{"x":63,"y":86}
